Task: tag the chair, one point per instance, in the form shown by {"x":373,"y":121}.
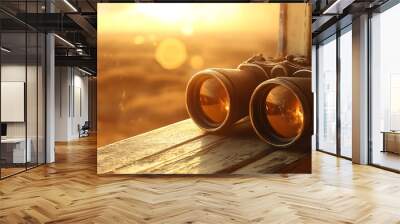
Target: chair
{"x":84,"y":130}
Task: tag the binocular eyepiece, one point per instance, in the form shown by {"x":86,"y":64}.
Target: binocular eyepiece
{"x":276,"y":93}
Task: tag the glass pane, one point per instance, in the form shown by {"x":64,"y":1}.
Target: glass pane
{"x":31,"y":88}
{"x":346,"y":94}
{"x":13,"y":89}
{"x":385,"y":84}
{"x":327,"y":96}
{"x":23,"y":91}
{"x":31,"y":100}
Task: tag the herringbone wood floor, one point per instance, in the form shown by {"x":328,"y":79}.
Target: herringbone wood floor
{"x":69,"y":191}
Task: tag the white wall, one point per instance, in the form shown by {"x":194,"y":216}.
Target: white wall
{"x":71,"y":94}
{"x":80,"y":103}
{"x":61,"y":103}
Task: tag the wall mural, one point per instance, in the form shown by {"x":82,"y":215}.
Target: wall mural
{"x":210,"y":88}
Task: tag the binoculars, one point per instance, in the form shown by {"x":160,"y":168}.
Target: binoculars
{"x":274,"y":93}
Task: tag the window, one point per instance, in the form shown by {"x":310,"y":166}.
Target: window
{"x":385,"y":89}
{"x":346,"y":92}
{"x":327,"y":96}
{"x":334,"y":106}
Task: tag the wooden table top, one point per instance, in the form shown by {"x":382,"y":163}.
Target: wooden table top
{"x":182,"y":148}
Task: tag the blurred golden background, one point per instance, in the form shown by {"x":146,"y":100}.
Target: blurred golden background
{"x":147,"y":52}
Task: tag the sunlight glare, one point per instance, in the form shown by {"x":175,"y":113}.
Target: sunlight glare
{"x":139,"y":40}
{"x":169,"y":13}
{"x":187,"y":30}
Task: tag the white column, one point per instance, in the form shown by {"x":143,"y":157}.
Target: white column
{"x":50,"y":99}
{"x":50,"y":92}
{"x":360,"y":90}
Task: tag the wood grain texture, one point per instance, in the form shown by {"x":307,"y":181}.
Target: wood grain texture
{"x":120,"y":153}
{"x":70,"y":191}
{"x":181,"y":148}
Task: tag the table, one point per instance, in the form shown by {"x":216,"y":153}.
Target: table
{"x":391,"y":141}
{"x":182,"y":148}
{"x":13,"y":150}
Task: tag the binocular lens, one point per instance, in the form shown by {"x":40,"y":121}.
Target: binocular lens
{"x":216,"y":97}
{"x":284,"y":112}
{"x":280,"y":110}
{"x":214,"y":101}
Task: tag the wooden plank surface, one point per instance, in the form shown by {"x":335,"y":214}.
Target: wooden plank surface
{"x":182,"y":148}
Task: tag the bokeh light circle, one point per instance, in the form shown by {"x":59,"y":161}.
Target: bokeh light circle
{"x":197,"y":62}
{"x":171,"y":53}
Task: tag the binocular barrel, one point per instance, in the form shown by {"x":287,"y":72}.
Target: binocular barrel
{"x":216,"y":98}
{"x":281,"y":110}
